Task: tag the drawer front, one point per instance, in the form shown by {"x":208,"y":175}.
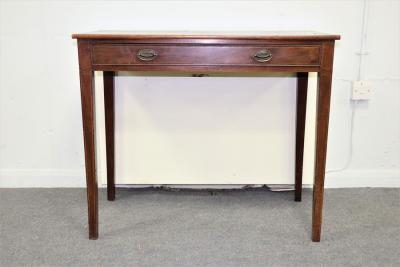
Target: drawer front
{"x":273,"y":55}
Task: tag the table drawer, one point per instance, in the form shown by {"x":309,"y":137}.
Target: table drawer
{"x":271,"y":55}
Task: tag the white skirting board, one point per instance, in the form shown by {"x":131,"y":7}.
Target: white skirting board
{"x":363,"y":178}
{"x":16,"y":178}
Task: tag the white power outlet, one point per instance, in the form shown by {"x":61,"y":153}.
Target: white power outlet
{"x":361,"y":90}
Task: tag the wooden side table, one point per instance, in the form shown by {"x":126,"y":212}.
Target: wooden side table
{"x":299,"y":52}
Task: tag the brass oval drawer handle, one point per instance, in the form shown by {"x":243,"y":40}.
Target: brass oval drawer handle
{"x":263,"y":55}
{"x":147,"y":54}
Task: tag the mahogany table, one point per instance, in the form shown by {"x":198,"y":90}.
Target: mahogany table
{"x":299,"y":52}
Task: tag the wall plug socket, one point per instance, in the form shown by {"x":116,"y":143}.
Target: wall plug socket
{"x":361,"y":90}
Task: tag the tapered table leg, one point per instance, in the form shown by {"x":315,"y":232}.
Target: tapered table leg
{"x":87,"y":97}
{"x":302,"y":83}
{"x":108,"y":78}
{"x":88,"y":117}
{"x":322,"y":122}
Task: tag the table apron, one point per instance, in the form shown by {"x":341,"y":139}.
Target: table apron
{"x":214,"y":56}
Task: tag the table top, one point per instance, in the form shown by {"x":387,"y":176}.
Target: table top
{"x":245,"y":35}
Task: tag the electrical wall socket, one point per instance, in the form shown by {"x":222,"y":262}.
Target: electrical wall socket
{"x":361,"y":90}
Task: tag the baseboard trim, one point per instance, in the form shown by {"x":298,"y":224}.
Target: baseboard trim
{"x":49,"y":178}
{"x":363,"y":178}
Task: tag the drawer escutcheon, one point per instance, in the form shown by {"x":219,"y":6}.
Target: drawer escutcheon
{"x":147,"y":54}
{"x":263,"y":55}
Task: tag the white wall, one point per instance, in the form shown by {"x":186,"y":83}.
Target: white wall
{"x":194,"y":130}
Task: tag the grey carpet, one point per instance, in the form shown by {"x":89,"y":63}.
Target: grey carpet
{"x":255,"y":227}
